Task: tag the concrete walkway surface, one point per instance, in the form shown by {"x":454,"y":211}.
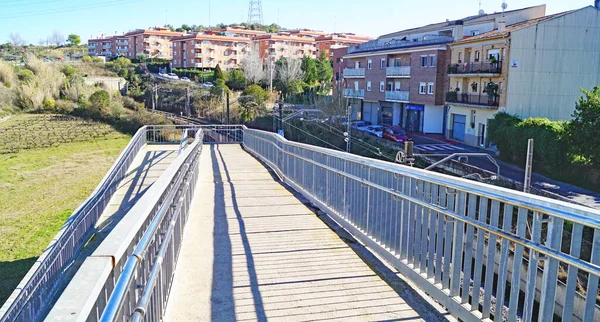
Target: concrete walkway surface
{"x":252,"y":251}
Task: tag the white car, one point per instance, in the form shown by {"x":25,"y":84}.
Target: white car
{"x":163,"y":75}
{"x":185,"y":79}
{"x":208,"y":84}
{"x":359,"y":125}
{"x":376,"y":130}
{"x":172,"y":76}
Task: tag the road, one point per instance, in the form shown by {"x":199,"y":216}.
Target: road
{"x":429,"y":145}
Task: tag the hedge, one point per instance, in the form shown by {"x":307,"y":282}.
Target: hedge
{"x":551,"y":147}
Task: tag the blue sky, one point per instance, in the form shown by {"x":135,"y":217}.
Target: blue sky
{"x":37,"y":19}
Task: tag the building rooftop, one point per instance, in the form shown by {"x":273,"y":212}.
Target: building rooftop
{"x":387,"y":44}
{"x":207,"y":36}
{"x":449,"y":23}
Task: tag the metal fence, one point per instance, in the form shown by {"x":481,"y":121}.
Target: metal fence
{"x":469,"y":245}
{"x":40,"y":282}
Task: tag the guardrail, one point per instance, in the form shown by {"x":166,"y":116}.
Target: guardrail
{"x":468,"y":245}
{"x":42,"y":279}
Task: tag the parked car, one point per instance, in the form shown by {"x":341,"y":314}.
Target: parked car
{"x":395,"y":133}
{"x":185,"y":79}
{"x":208,"y":84}
{"x":359,"y":125}
{"x":376,"y":130}
{"x":172,"y":76}
{"x":163,"y":75}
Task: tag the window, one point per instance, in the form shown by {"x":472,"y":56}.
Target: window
{"x":458,"y":86}
{"x":368,"y":86}
{"x":369,"y":63}
{"x":397,"y":86}
{"x":460,"y":57}
{"x":493,"y":54}
{"x":192,"y":60}
{"x":423,"y":61}
{"x":422,"y":87}
{"x":382,"y":63}
{"x":473,"y":113}
{"x":389,"y":87}
{"x":474,"y":87}
{"x":432,"y":61}
{"x":477,"y":56}
{"x":475,"y":32}
{"x":430,"y":88}
{"x":382,"y":87}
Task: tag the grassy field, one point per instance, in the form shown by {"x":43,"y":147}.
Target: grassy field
{"x":41,"y":186}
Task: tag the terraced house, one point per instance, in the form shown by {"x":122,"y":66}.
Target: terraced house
{"x":529,"y":69}
{"x":401,"y":78}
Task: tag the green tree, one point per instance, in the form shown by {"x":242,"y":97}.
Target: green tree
{"x":74,"y":39}
{"x":218,"y":74}
{"x":219,"y":88}
{"x":584,"y":129}
{"x":236,"y":81}
{"x":325,"y":69}
{"x":259,"y":94}
{"x":100,"y":100}
{"x":309,"y":67}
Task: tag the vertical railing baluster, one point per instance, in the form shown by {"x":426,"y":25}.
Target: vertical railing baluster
{"x":502,"y":269}
{"x":515,"y":282}
{"x":532,"y":270}
{"x":572,"y":272}
{"x":457,"y":244}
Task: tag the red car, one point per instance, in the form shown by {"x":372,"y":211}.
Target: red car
{"x":395,"y":133}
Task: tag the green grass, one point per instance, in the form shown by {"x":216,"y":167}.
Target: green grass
{"x":40,"y":189}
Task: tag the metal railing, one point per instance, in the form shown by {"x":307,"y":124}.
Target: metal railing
{"x":490,"y":101}
{"x":397,"y":96}
{"x":400,"y":71}
{"x":27,"y":301}
{"x":354,"y":93}
{"x":469,"y":245}
{"x":476,"y":68}
{"x":354,"y":72}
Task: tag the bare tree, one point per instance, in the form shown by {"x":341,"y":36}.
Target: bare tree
{"x":57,"y":38}
{"x":289,"y":72}
{"x":252,"y":64}
{"x":16,"y":40}
{"x":42,"y":42}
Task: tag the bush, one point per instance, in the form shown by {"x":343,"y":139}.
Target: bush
{"x":129,"y":103}
{"x":86,"y":59}
{"x":116,"y":109}
{"x":68,"y":70}
{"x":551,"y":148}
{"x":260,"y":95}
{"x":64,"y":107}
{"x":49,"y":104}
{"x":26,"y":76}
{"x":584,"y":129}
{"x":100,"y":100}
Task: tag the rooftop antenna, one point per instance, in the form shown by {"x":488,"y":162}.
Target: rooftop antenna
{"x":504,"y":6}
{"x":481,"y":12}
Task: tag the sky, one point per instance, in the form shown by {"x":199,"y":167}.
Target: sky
{"x":35,"y":20}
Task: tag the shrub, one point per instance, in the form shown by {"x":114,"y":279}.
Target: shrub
{"x":129,"y":103}
{"x":64,"y":107}
{"x":26,"y":76}
{"x":100,"y":100}
{"x":584,"y":129}
{"x":86,"y":59}
{"x":7,"y":74}
{"x":68,"y":70}
{"x":116,"y":109}
{"x":49,"y":104}
{"x":260,"y":95}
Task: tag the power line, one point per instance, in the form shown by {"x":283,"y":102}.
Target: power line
{"x":69,"y":9}
{"x":255,"y":14}
{"x":23,"y":3}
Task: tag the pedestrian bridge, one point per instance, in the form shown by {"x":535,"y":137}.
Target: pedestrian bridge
{"x":226,"y":223}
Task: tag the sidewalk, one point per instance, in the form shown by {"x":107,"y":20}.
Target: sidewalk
{"x":513,"y":172}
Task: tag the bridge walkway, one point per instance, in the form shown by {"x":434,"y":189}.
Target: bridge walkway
{"x":253,"y":251}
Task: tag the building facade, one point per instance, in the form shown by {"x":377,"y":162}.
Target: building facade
{"x":277,"y":46}
{"x":110,"y":47}
{"x":207,"y":51}
{"x":153,"y":43}
{"x":325,"y":44}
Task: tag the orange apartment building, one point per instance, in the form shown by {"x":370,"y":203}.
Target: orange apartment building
{"x":246,"y":33}
{"x":326,"y":43}
{"x":207,"y":50}
{"x":114,"y":46}
{"x":277,"y":46}
{"x":154,"y":43}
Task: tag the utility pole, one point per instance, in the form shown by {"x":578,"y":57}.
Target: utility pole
{"x":222,"y":105}
{"x":280,"y":110}
{"x":188,"y":111}
{"x":528,"y":167}
{"x":348,"y":129}
{"x":227,"y":107}
{"x":271,"y":69}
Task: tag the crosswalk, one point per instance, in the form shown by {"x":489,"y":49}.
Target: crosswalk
{"x":438,"y":147}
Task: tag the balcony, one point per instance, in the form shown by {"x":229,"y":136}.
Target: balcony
{"x":354,"y":72}
{"x":122,"y":49}
{"x":198,"y":46}
{"x":396,"y":96}
{"x":198,"y":55}
{"x":122,"y":42}
{"x":198,"y":65}
{"x":401,"y":71}
{"x":106,"y":46}
{"x":476,"y":100}
{"x":482,"y":69}
{"x":354,"y":93}
{"x":92,"y":46}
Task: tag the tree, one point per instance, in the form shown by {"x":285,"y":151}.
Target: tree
{"x":74,"y":40}
{"x":259,"y":94}
{"x":289,"y":75}
{"x":218,"y":74}
{"x":309,"y":68}
{"x":219,"y":88}
{"x":57,"y":38}
{"x":100,"y":100}
{"x":16,"y":40}
{"x":325,"y":70}
{"x":584,"y":129}
{"x":236,"y":81}
{"x":252,"y":64}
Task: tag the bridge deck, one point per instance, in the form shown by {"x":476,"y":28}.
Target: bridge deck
{"x":253,"y":251}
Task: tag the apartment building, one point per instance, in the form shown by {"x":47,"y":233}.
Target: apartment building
{"x":203,"y":50}
{"x":307,"y":33}
{"x":326,"y":43}
{"x":154,"y":43}
{"x":277,"y":46}
{"x":529,"y":69}
{"x":401,"y":78}
{"x":236,"y":31}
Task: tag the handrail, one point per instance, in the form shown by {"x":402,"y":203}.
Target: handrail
{"x":183,"y":142}
{"x":44,"y":277}
{"x":436,"y":230}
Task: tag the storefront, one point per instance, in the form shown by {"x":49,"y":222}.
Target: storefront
{"x":414,"y":117}
{"x":370,"y":112}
